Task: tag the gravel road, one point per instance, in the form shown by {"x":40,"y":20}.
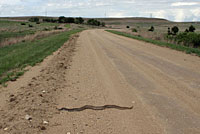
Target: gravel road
{"x":98,"y":68}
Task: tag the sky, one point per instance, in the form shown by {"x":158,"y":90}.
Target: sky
{"x":174,"y":10}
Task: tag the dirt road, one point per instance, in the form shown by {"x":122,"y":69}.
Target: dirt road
{"x":161,"y":84}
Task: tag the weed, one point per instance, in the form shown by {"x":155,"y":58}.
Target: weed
{"x":188,"y":50}
{"x":20,"y":55}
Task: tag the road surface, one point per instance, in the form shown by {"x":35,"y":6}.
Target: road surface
{"x":161,"y":84}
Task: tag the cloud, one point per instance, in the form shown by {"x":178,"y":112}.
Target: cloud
{"x":177,"y":4}
{"x":175,"y":10}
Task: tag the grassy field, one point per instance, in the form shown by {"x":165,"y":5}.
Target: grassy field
{"x":188,"y":50}
{"x":12,"y":29}
{"x":14,"y":58}
{"x":68,"y":26}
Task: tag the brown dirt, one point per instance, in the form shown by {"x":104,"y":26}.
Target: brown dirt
{"x":161,"y":84}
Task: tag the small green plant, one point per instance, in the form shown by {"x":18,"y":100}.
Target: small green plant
{"x":151,"y":29}
{"x":134,"y":30}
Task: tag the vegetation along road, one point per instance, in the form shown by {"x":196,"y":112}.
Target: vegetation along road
{"x":102,"y":75}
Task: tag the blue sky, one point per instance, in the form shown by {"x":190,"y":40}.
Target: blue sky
{"x":175,"y":10}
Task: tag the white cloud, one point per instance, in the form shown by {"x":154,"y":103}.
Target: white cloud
{"x":178,"y":10}
{"x":177,"y":4}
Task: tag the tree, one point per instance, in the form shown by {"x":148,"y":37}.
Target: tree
{"x":175,"y":30}
{"x":79,"y":20}
{"x":151,"y":29}
{"x":69,"y":20}
{"x":61,"y":19}
{"x":127,"y":26}
{"x":192,"y":28}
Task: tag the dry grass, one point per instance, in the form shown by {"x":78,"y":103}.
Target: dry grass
{"x":37,"y":35}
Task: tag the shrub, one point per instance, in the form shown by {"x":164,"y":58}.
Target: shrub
{"x":169,"y":31}
{"x":93,"y":22}
{"x":134,"y":30}
{"x":79,"y":20}
{"x":49,"y":20}
{"x":35,"y":19}
{"x":30,"y":25}
{"x":23,"y":23}
{"x":186,"y":30}
{"x":61,"y":19}
{"x":55,"y":27}
{"x":69,"y":20}
{"x":189,"y":39}
{"x":127,"y":26}
{"x":175,"y":30}
{"x":46,"y":29}
{"x":151,"y":29}
{"x":192,"y":28}
{"x":103,"y":24}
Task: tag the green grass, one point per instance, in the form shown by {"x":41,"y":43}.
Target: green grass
{"x":14,"y":58}
{"x":12,"y":29}
{"x":6,"y":35}
{"x":188,"y":50}
{"x":68,"y":26}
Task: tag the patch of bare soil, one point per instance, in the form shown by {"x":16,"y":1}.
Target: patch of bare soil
{"x":28,"y":109}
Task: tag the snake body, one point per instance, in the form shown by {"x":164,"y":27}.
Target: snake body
{"x":95,"y":108}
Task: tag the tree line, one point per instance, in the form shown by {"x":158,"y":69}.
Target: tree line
{"x":63,"y":19}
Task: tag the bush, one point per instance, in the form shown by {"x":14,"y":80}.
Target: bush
{"x":151,"y":29}
{"x":55,"y":27}
{"x":49,"y":20}
{"x":93,"y":22}
{"x":127,"y":26}
{"x":134,"y":30}
{"x":189,"y":39}
{"x":23,"y":23}
{"x":35,"y":19}
{"x":61,"y":19}
{"x":79,"y":20}
{"x":30,"y":25}
{"x":175,"y":30}
{"x":169,"y":31}
{"x":46,"y":29}
{"x":103,"y":24}
{"x":192,"y":28}
{"x":186,"y":30}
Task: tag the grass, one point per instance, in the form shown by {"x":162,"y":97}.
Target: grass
{"x":14,"y":58}
{"x":68,"y":26}
{"x":188,"y":50}
{"x":12,"y":29}
{"x":6,"y":35}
